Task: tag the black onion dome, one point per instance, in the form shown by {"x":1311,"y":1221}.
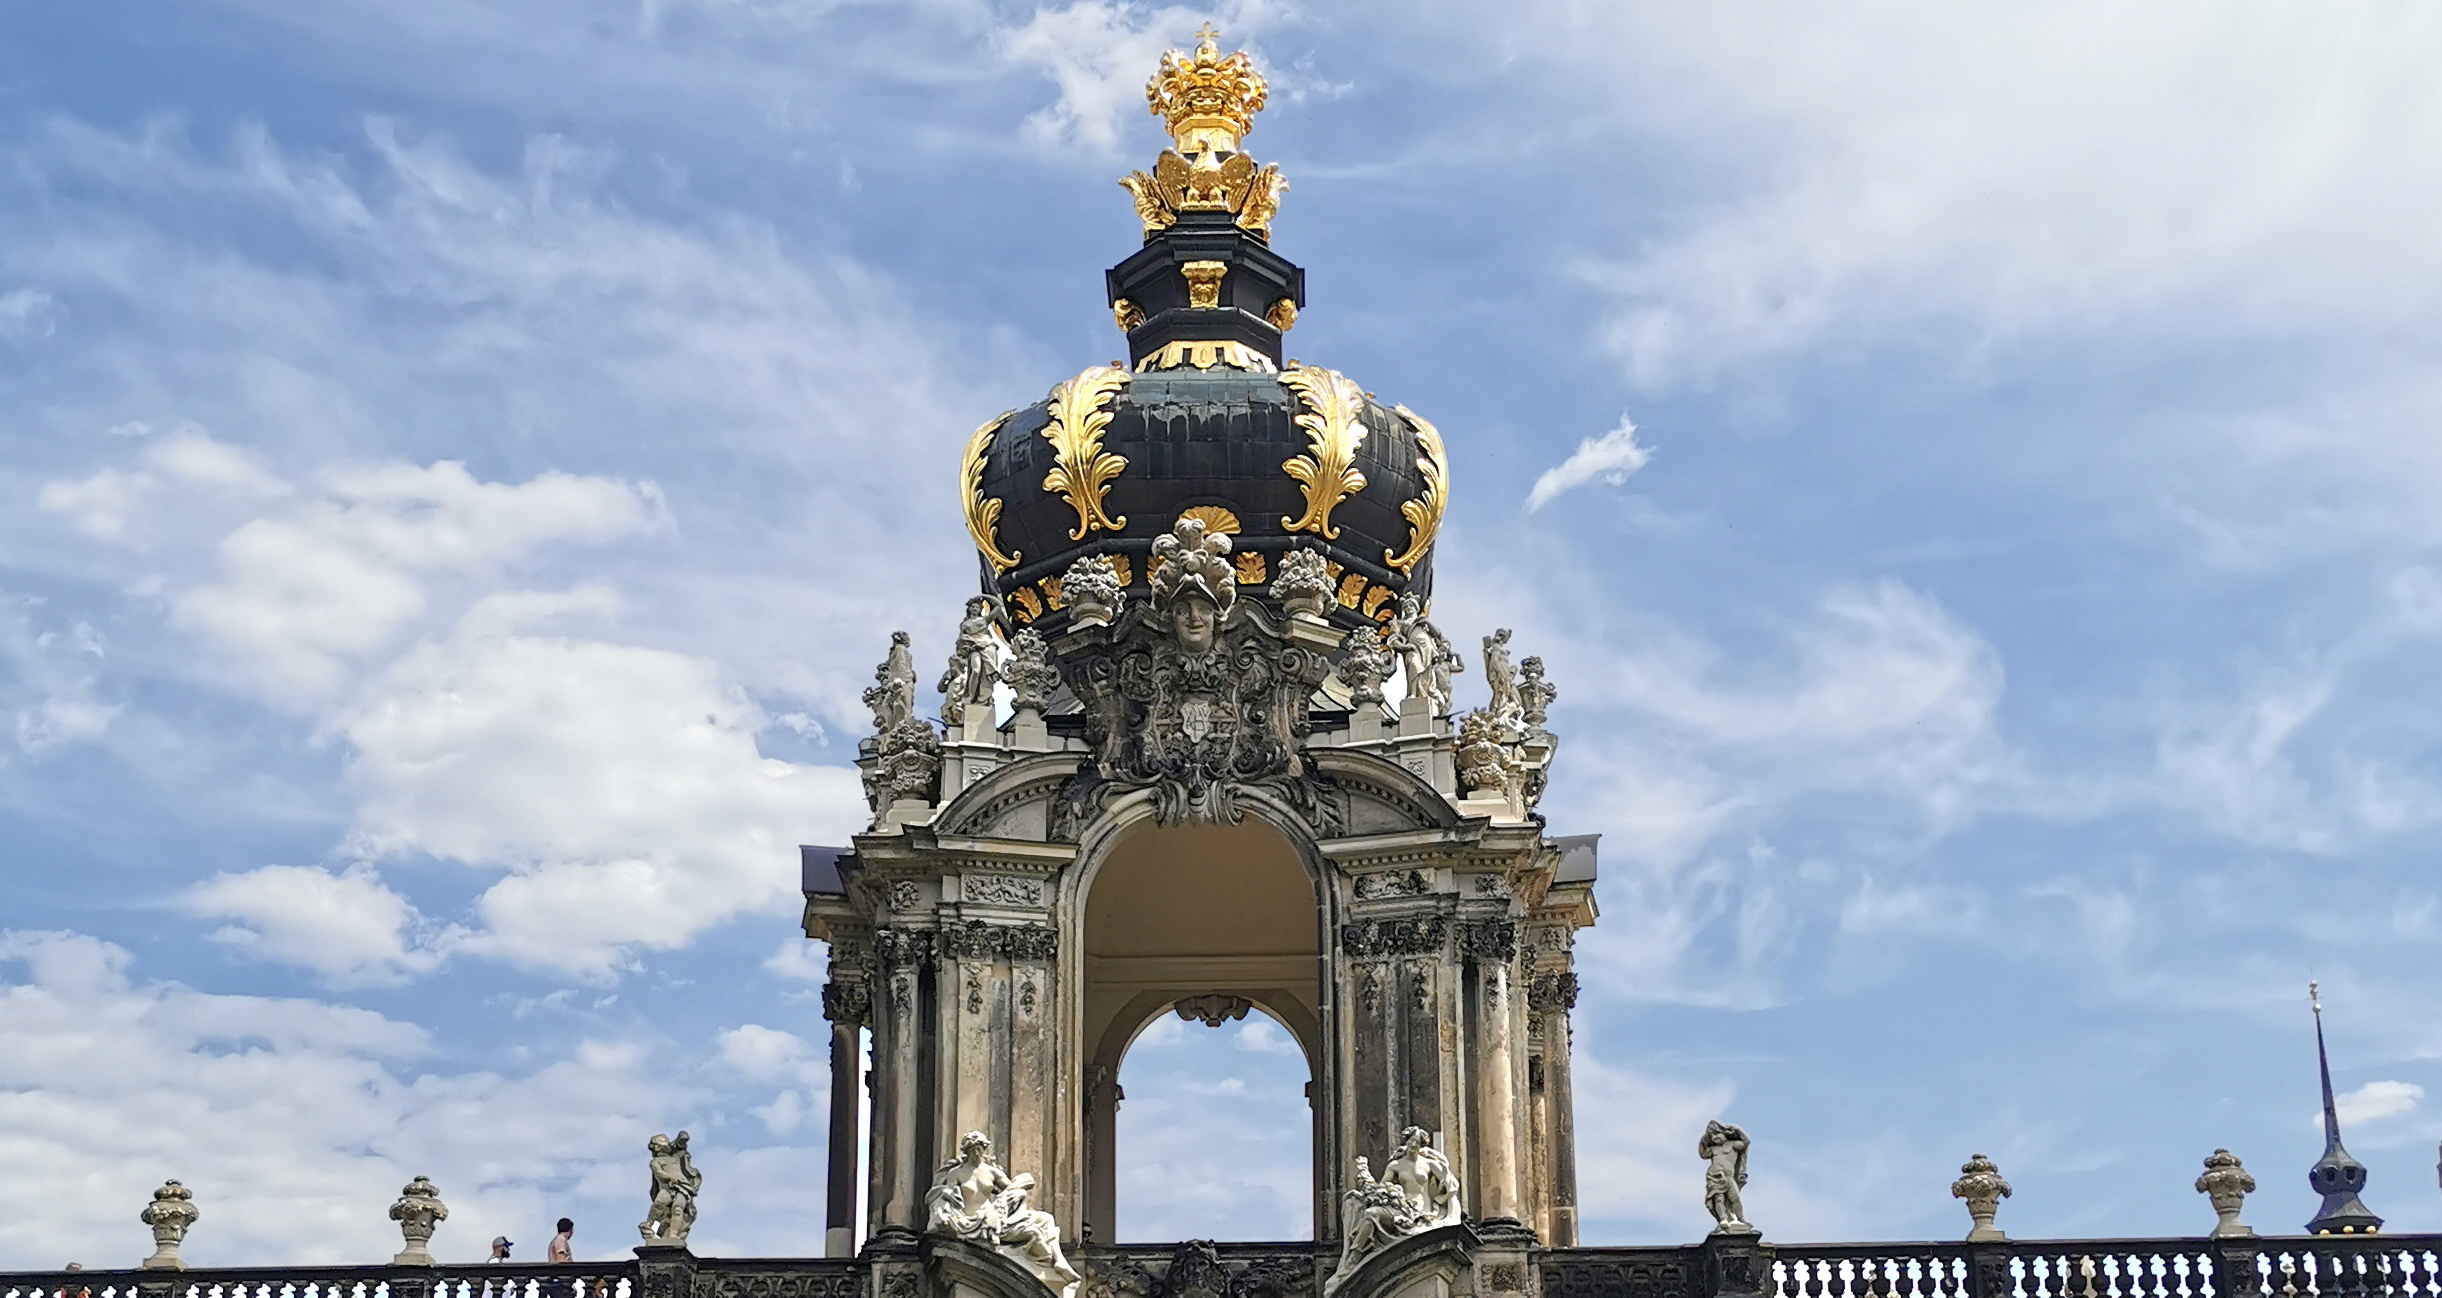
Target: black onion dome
{"x":1205,"y":417}
{"x":1206,"y":440}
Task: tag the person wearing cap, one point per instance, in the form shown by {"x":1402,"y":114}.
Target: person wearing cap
{"x":500,"y":1248}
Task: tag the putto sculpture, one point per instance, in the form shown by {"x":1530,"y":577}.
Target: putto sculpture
{"x":973,"y":1199}
{"x":170,"y":1213}
{"x":1417,"y":1192}
{"x":675,"y":1184}
{"x":418,"y":1211}
{"x":1724,"y":1150}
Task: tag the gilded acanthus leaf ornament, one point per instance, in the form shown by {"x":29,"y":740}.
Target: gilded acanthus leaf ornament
{"x":983,"y":512}
{"x":1424,"y":512}
{"x":1081,"y":470}
{"x":1335,"y":428}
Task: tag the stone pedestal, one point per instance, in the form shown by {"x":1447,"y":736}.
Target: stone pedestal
{"x":1737,"y":1263}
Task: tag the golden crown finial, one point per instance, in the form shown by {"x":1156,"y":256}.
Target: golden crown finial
{"x":1210,"y":102}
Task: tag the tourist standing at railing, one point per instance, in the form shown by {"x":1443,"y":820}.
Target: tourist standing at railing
{"x":559,"y":1252}
{"x":500,"y":1249}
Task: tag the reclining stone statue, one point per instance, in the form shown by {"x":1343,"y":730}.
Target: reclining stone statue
{"x":974,"y":1200}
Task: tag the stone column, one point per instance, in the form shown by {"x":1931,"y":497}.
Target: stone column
{"x":845,"y":1004}
{"x":1492,"y":945}
{"x":1552,"y":994}
{"x":901,"y":1123}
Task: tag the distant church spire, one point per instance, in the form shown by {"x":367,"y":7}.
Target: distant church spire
{"x":2335,"y":1176}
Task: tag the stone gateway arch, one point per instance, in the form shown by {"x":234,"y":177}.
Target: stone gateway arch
{"x":1231,"y":778}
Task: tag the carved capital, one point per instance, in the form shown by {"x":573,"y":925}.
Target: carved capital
{"x":847,"y":1003}
{"x":977,"y":940}
{"x":1550,"y":992}
{"x":1494,"y":940}
{"x":902,"y":948}
{"x":1421,"y":935}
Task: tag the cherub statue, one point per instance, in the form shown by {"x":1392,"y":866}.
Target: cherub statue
{"x":975,"y":665}
{"x":675,"y":1183}
{"x":1724,"y":1151}
{"x":1423,"y":1177}
{"x":893,"y":696}
{"x":974,"y":1200}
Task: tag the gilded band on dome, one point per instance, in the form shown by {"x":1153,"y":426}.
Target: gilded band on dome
{"x":1081,"y":470}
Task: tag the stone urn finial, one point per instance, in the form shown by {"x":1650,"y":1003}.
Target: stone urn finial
{"x":1980,"y":1184}
{"x":2227,"y":1185}
{"x":418,"y":1210}
{"x":169,"y":1214}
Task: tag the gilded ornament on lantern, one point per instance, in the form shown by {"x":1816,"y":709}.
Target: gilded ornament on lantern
{"x":1081,"y":470}
{"x":1250,"y":568}
{"x":1352,"y":589}
{"x":1127,"y":315}
{"x":1424,"y":512}
{"x":1205,"y":355}
{"x":1051,"y":592}
{"x":1282,"y":315}
{"x":1122,"y":569}
{"x":1335,"y":428}
{"x":1210,"y":103}
{"x":983,"y":512}
{"x":1374,"y":600}
{"x":1029,"y":608}
{"x":1204,"y":283}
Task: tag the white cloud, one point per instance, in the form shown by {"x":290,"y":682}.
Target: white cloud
{"x":301,"y":598}
{"x":1099,"y":53}
{"x":49,"y":691}
{"x":2212,"y":169}
{"x":1612,"y":457}
{"x":186,"y":459}
{"x":349,"y":927}
{"x":620,"y":786}
{"x":295,"y":1122}
{"x":2374,"y":1102}
{"x":27,"y":314}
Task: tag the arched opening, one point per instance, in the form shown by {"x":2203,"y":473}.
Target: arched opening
{"x":1223,"y":919}
{"x":1214,"y":1141}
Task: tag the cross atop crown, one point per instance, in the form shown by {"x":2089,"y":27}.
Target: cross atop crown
{"x":1209,"y":101}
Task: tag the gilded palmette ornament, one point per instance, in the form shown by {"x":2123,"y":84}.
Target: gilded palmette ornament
{"x":1081,"y":470}
{"x":983,"y":512}
{"x":1423,"y":513}
{"x":1335,"y":428}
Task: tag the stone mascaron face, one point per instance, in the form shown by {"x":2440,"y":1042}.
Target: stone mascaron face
{"x":1206,"y":416}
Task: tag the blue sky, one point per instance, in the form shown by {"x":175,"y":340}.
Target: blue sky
{"x":1972,"y":470}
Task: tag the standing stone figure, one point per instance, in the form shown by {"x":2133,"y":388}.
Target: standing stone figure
{"x":893,"y":696}
{"x":1424,"y":655}
{"x":974,"y":1200}
{"x":1424,"y":1178}
{"x":419,"y":1209}
{"x":1503,"y":683}
{"x":975,"y":665}
{"x":169,"y":1214}
{"x":675,"y":1183}
{"x":1724,"y":1151}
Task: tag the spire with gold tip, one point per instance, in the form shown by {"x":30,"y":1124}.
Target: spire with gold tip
{"x":1210,"y":103}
